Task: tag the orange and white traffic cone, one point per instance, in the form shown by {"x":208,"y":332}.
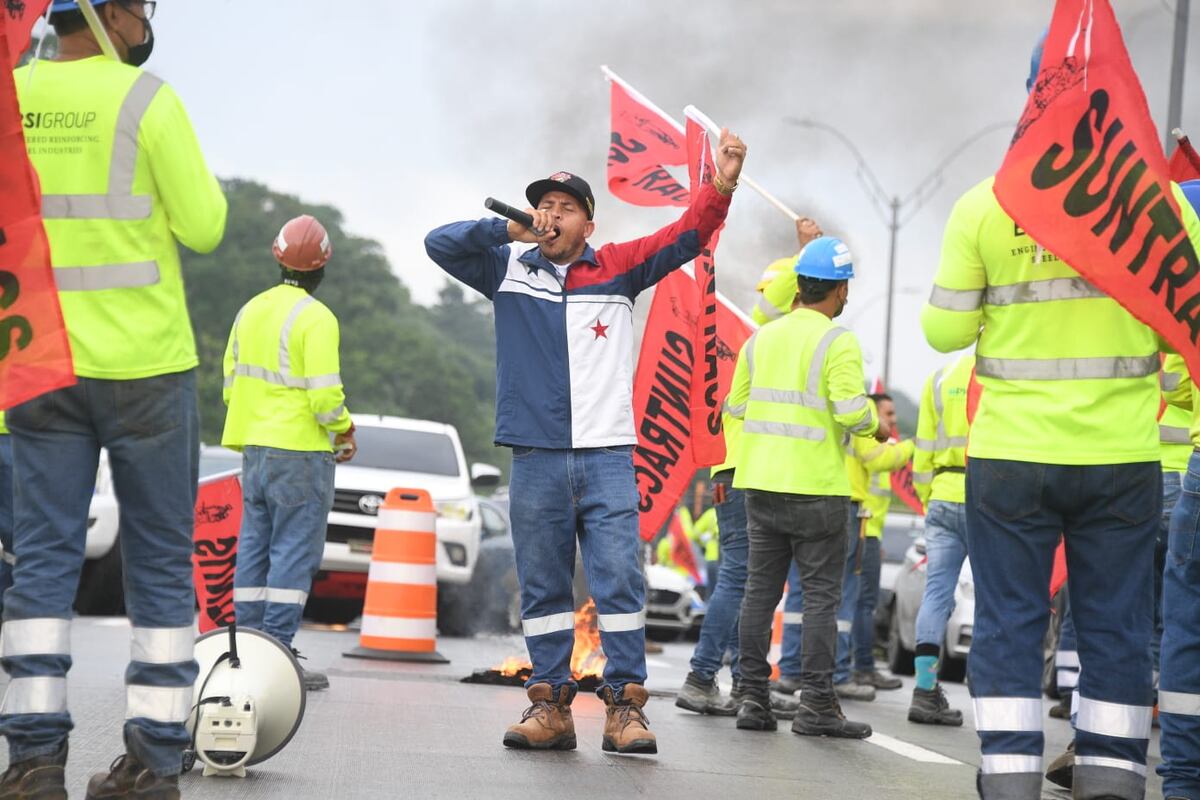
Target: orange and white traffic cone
{"x":776,"y":651}
{"x":399,"y":621}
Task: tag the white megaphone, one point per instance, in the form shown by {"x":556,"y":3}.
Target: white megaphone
{"x":249,"y":701}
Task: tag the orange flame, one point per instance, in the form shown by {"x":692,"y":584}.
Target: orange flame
{"x":587,"y":657}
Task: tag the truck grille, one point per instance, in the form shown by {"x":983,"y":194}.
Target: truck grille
{"x":348,"y":533}
{"x":347,"y":502}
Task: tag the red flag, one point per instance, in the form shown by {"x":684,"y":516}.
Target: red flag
{"x":681,"y":549}
{"x":643,"y":141}
{"x":1086,"y":178}
{"x":19,"y":17}
{"x":1185,"y":161}
{"x":35,"y":356}
{"x":902,"y":487}
{"x":708,"y":443}
{"x":214,"y":553}
{"x":664,"y":459}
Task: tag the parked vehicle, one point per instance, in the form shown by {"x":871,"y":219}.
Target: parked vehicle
{"x":899,"y":531}
{"x":902,"y":637}
{"x":673,"y":606}
{"x":397,"y":452}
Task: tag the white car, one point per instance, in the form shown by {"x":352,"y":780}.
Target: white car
{"x":910,"y":589}
{"x":407,"y":453}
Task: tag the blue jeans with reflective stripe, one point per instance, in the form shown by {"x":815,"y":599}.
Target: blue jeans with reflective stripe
{"x":589,"y":495}
{"x":1179,"y":680}
{"x":718,"y":634}
{"x":1109,"y":516}
{"x":150,"y":428}
{"x":6,"y":513}
{"x":286,"y":498}
{"x":945,"y":550}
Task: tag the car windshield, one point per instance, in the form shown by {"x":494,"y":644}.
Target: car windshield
{"x":406,"y":451}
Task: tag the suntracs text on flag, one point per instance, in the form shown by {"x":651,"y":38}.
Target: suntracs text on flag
{"x":643,"y":143}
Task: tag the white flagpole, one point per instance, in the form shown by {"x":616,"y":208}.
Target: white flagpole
{"x":708,"y":123}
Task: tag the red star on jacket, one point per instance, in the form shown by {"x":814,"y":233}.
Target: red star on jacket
{"x":601,"y":331}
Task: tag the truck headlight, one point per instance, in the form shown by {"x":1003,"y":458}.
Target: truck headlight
{"x":459,"y":510}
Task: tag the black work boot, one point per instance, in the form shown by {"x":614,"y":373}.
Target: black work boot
{"x":930,"y":707}
{"x":704,"y":697}
{"x":877,"y":679}
{"x":37,"y":778}
{"x":1061,"y":771}
{"x":1063,"y":709}
{"x":313,"y":681}
{"x":754,"y":713}
{"x":788,"y":684}
{"x":820,"y":714}
{"x":128,"y":778}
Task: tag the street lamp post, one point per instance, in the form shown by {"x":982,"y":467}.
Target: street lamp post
{"x":1178,"y":59}
{"x":895,"y":205}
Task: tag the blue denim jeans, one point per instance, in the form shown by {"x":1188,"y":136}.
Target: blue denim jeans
{"x":589,"y":495}
{"x":286,"y":497}
{"x":945,"y":551}
{"x":856,"y":614}
{"x":1179,"y":681}
{"x":1172,"y":488}
{"x":150,"y":429}
{"x":718,"y":634}
{"x":6,"y":514}
{"x":1109,"y":517}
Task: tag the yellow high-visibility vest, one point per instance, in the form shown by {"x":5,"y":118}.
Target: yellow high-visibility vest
{"x":1068,"y":375}
{"x":123,"y":183}
{"x":939,"y":463}
{"x":1174,"y":436}
{"x":282,"y":375}
{"x":798,"y":387}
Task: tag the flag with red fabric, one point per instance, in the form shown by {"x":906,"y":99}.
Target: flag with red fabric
{"x":1185,"y":161}
{"x":19,"y":17}
{"x":1086,"y":177}
{"x":682,"y":554}
{"x":708,"y":441}
{"x":643,"y":144}
{"x":664,"y":458}
{"x":214,"y":549}
{"x":35,"y":355}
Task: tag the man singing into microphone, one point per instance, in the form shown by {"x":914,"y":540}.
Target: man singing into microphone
{"x":564,"y":404}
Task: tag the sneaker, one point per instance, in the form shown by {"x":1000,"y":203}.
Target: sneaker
{"x":784,"y":705}
{"x":127,"y":779}
{"x":820,"y":714}
{"x":788,"y":684}
{"x":930,"y":707}
{"x":40,"y":777}
{"x":313,"y":681}
{"x":854,"y":691}
{"x":755,"y":714}
{"x":1061,"y":771}
{"x":877,"y":679}
{"x":704,"y":697}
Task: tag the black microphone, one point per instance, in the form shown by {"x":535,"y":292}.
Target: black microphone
{"x":515,"y":214}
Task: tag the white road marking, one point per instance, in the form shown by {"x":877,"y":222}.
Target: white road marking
{"x":910,"y":750}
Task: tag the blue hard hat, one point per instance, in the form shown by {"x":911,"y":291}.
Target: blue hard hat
{"x":71,"y":5}
{"x":826,"y":258}
{"x":1035,"y":60}
{"x":1191,"y":190}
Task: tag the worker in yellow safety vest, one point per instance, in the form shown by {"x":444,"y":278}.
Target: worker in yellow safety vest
{"x":123,"y":185}
{"x":939,"y":479}
{"x":1064,"y":442}
{"x":718,"y":634}
{"x":284,"y":390}
{"x":798,"y":387}
{"x":707,"y":536}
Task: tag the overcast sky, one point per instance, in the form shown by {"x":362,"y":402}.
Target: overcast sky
{"x":406,"y":115}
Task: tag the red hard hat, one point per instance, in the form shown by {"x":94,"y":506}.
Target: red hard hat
{"x":302,"y":244}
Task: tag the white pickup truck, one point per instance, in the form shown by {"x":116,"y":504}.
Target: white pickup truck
{"x":408,"y":453}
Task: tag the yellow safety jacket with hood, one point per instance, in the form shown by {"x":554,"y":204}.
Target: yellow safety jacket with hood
{"x":1068,"y":375}
{"x":123,"y":183}
{"x":939,"y":464}
{"x":798,"y":387}
{"x":282,"y":374}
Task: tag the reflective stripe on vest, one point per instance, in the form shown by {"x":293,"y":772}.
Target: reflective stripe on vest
{"x":810,"y":397}
{"x":1043,"y":291}
{"x":768,"y":308}
{"x":956,"y":299}
{"x":119,"y":204}
{"x":787,"y":429}
{"x":1169,"y":381}
{"x":284,"y":376}
{"x":1061,"y":369}
{"x":1170,"y":434}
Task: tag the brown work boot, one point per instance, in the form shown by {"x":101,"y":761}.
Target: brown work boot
{"x":37,"y":778}
{"x":129,"y":778}
{"x":545,"y":725}
{"x":626,"y":729}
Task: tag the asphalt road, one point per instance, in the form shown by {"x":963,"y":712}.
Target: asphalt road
{"x":388,"y":729}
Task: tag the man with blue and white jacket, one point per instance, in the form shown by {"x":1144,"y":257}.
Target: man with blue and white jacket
{"x":564,"y":404}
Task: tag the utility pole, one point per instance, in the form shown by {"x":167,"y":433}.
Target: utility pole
{"x":1178,"y":60}
{"x":893,"y":228}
